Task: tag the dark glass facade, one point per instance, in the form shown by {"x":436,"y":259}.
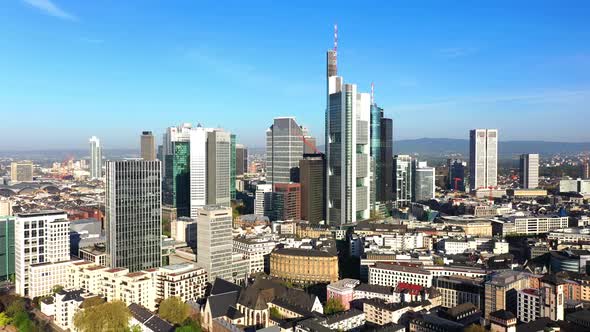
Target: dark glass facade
{"x":177,"y":181}
{"x":6,"y":247}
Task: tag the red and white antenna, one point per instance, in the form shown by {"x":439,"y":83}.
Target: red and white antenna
{"x":372,"y":93}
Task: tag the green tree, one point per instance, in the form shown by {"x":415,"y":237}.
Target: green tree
{"x":56,"y":289}
{"x":92,"y":301}
{"x":135,"y":328}
{"x":333,"y":306}
{"x":190,"y":325}
{"x":22,"y":321}
{"x":109,"y":316}
{"x":4,"y":319}
{"x":16,"y":307}
{"x":274,"y":313}
{"x":174,"y":310}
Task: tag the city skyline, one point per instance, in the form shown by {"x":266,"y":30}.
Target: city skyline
{"x":455,"y":77}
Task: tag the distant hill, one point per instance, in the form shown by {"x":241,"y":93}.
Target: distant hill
{"x":446,"y":146}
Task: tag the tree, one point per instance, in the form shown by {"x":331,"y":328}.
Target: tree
{"x":56,"y":289}
{"x":333,"y":306}
{"x":22,"y":321}
{"x":92,"y":301}
{"x":190,"y":325}
{"x":174,"y":310}
{"x":274,"y":313}
{"x":4,"y":319}
{"x":16,"y":307}
{"x":108,"y":316}
{"x":475,"y":328}
{"x":135,"y":328}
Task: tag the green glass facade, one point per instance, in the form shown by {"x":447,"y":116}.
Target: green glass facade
{"x":232,"y":172}
{"x":6,"y":247}
{"x":177,"y":183}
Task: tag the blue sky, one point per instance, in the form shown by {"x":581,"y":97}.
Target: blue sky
{"x":71,"y":69}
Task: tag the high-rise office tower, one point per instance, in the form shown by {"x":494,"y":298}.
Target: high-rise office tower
{"x":284,"y":203}
{"x":483,"y":158}
{"x":95,"y":158}
{"x":402,"y":183}
{"x":285,"y":141}
{"x":312,"y":176}
{"x":260,"y":197}
{"x":21,"y":171}
{"x":585,"y":170}
{"x":133,"y":214}
{"x":232,"y":169}
{"x":381,"y":155}
{"x":39,"y":238}
{"x":348,"y":153}
{"x":219,"y":168}
{"x":179,"y":133}
{"x":198,"y":169}
{"x":148,"y":146}
{"x":214,"y":241}
{"x":176,"y":185}
{"x":456,"y":169}
{"x":241,"y":159}
{"x":423,"y":179}
{"x":6,"y":246}
{"x":529,"y":171}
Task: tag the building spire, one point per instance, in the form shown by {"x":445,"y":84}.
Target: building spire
{"x":372,"y":93}
{"x":336,"y":45}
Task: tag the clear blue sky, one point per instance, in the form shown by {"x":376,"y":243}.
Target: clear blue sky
{"x":70,"y":69}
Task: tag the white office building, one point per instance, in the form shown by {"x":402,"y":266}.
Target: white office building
{"x":402,"y":181}
{"x":483,"y":158}
{"x":423,"y":180}
{"x":388,"y":274}
{"x":529,"y":171}
{"x":42,"y":239}
{"x":95,"y":158}
{"x":215,"y":241}
{"x":261,"y":189}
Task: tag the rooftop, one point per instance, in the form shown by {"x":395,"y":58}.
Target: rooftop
{"x":302,"y":252}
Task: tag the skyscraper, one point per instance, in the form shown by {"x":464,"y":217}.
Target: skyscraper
{"x":348,"y":115}
{"x":214,"y":241}
{"x":133,"y":214}
{"x":284,"y":203}
{"x":95,"y":158}
{"x":174,"y":134}
{"x":284,"y":148}
{"x":176,"y":185}
{"x":403,"y":180}
{"x":21,"y":171}
{"x":6,"y":247}
{"x":260,"y":197}
{"x":483,"y":158}
{"x":148,"y":146}
{"x":381,"y":155}
{"x":232,"y":169}
{"x":218,"y":168}
{"x":241,"y":159}
{"x":456,"y":169}
{"x":39,"y":238}
{"x":529,"y":171}
{"x":423,"y":179}
{"x":312,"y":176}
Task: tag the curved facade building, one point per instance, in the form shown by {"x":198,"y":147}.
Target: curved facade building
{"x":304,"y":266}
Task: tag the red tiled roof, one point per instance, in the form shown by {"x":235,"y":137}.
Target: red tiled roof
{"x":411,"y":288}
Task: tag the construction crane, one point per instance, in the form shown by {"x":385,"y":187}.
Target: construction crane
{"x":309,"y":144}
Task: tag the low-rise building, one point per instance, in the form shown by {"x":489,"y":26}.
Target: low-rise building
{"x":381,"y":313}
{"x":342,"y":291}
{"x":388,"y":274}
{"x":456,"y":290}
{"x":304,"y":266}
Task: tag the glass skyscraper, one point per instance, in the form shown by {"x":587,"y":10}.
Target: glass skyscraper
{"x":176,"y":191}
{"x":95,"y":158}
{"x":133,"y":214}
{"x":284,"y":149}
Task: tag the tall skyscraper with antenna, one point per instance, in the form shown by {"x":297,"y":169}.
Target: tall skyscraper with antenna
{"x":348,"y":114}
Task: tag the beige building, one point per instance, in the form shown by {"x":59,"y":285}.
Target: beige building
{"x":145,"y":288}
{"x":498,"y":291}
{"x":21,"y":171}
{"x":304,"y":266}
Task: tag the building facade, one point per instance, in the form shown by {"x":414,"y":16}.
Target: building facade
{"x":21,"y":171}
{"x":95,"y":158}
{"x":402,"y":184}
{"x":312,"y":176}
{"x":423,"y":179}
{"x":241,"y":159}
{"x":284,"y":203}
{"x":259,"y":197}
{"x":219,"y":168}
{"x":7,"y":243}
{"x":304,"y":266}
{"x":284,"y":148}
{"x":381,"y":155}
{"x":133,"y":214}
{"x":483,"y":158}
{"x":456,"y":174}
{"x":529,"y":171}
{"x":41,"y":238}
{"x":214,"y":241}
{"x":148,"y":146}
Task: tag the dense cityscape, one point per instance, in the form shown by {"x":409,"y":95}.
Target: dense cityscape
{"x":199,"y":232}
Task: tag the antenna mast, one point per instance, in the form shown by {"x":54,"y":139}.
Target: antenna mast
{"x":372,"y":93}
{"x":336,"y":43}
